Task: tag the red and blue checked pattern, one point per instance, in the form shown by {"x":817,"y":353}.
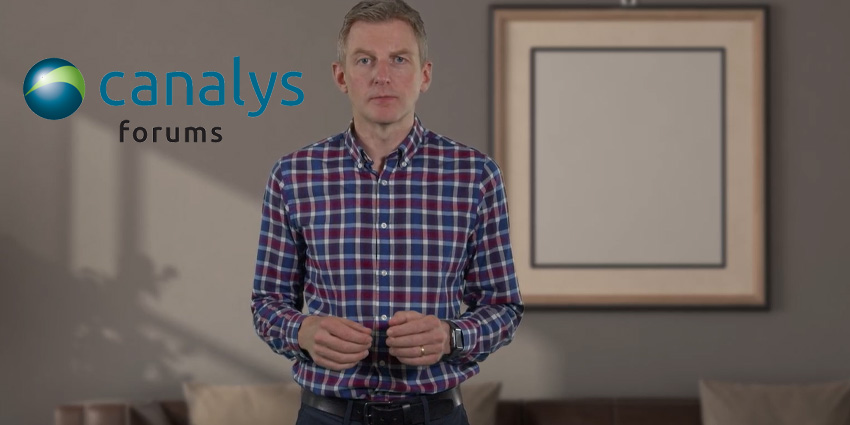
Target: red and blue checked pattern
{"x":427,"y":233}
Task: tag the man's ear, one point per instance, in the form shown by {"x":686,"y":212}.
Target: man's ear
{"x":426,"y":77}
{"x":339,"y":76}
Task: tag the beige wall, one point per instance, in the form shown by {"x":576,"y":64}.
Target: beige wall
{"x":126,"y":268}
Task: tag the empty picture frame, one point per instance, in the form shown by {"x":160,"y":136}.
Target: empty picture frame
{"x":632,"y":143}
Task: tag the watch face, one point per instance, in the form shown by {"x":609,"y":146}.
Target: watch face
{"x":457,"y":342}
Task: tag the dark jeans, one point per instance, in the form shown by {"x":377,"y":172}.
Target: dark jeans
{"x":312,"y":416}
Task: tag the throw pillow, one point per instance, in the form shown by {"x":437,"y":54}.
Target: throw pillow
{"x":729,"y":403}
{"x":259,"y":404}
{"x":149,"y":413}
{"x":480,"y":401}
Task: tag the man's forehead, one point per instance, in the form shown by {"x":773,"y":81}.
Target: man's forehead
{"x":393,"y":22}
{"x":375,"y":32}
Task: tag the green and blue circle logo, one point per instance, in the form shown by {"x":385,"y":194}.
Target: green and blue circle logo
{"x":54,"y":88}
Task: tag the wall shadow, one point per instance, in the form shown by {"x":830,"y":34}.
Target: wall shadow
{"x":82,"y":336}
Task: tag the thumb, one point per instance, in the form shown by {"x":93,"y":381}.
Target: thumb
{"x":358,"y":327}
{"x":403,"y":317}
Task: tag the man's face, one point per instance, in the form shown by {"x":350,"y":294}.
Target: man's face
{"x":382,"y":74}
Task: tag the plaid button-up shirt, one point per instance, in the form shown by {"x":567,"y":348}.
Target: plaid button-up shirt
{"x":427,"y":233}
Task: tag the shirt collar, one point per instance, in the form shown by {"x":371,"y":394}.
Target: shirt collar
{"x":405,"y":149}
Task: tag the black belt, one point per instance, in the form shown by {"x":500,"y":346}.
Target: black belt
{"x":402,"y":412}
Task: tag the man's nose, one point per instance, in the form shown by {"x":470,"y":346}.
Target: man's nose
{"x":382,"y":72}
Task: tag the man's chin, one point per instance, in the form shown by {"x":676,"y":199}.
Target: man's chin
{"x":386,"y":119}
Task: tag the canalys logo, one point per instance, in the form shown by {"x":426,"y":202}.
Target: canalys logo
{"x":54,"y":88}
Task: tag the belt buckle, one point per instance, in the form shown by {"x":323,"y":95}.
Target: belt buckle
{"x":370,"y":409}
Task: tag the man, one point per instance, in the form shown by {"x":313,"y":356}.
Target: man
{"x":384,"y":231}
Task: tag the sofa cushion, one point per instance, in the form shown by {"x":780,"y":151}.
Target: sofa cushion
{"x":259,"y":404}
{"x":148,"y":413}
{"x":91,"y":413}
{"x":177,"y":411}
{"x":569,"y":412}
{"x":729,"y":403}
{"x":666,"y":411}
{"x":509,"y":412}
{"x":480,"y":401}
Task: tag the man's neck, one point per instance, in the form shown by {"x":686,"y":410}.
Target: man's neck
{"x":380,"y":140}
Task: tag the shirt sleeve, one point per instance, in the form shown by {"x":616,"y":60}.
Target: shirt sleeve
{"x":277,"y":297}
{"x":491,"y":290}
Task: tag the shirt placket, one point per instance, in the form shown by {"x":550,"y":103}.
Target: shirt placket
{"x":368,"y":178}
{"x":384,"y":274}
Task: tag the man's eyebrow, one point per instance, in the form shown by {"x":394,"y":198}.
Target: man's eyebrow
{"x":359,"y":51}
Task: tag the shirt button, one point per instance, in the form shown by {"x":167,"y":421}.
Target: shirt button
{"x":383,"y":225}
{"x":383,"y":317}
{"x":384,"y":182}
{"x":359,"y":165}
{"x":404,"y":164}
{"x":384,"y":273}
{"x":382,"y":363}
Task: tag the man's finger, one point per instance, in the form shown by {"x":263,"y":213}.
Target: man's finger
{"x":338,"y":357}
{"x":420,"y":324}
{"x":346,"y":332}
{"x":425,"y":360}
{"x":357,"y":326}
{"x":411,"y":341}
{"x":327,"y":363}
{"x":340,"y":345}
{"x":403,"y":317}
{"x":410,"y":328}
{"x":412,"y":352}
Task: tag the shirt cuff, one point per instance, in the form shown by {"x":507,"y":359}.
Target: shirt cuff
{"x":293,"y":325}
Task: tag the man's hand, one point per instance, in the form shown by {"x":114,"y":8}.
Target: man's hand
{"x":334,"y":342}
{"x":410,"y":332}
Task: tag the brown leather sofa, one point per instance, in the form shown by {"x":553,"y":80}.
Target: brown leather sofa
{"x":622,"y":411}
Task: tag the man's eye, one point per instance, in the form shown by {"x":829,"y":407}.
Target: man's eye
{"x":399,"y":59}
{"x":364,"y":61}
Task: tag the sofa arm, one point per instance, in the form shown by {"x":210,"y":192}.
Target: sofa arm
{"x":92,"y":414}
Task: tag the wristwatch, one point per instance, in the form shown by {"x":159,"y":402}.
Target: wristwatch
{"x":455,"y":340}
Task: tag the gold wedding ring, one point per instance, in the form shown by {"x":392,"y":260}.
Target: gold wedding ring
{"x":421,"y":350}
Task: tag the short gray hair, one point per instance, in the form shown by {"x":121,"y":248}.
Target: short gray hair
{"x":383,"y":11}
